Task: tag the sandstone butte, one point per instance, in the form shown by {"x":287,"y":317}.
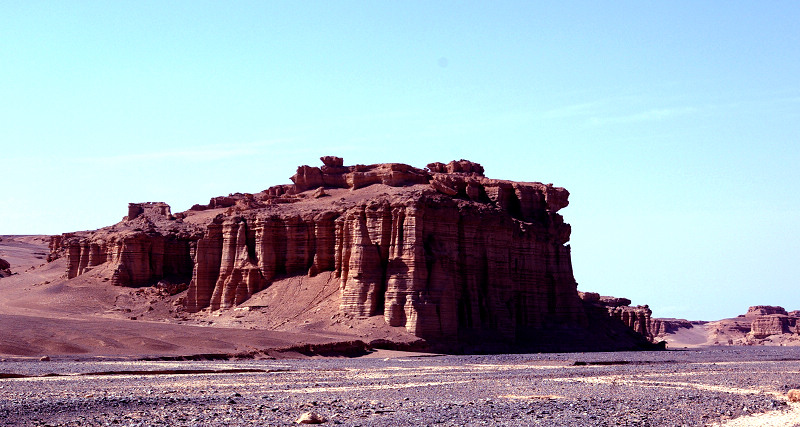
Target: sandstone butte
{"x":462,"y":261}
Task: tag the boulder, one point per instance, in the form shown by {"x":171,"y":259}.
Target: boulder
{"x":5,"y":268}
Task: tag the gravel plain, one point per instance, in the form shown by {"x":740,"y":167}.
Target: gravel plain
{"x":669,"y":388}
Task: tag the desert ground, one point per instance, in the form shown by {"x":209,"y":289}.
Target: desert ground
{"x":716,"y":386}
{"x":82,"y":352}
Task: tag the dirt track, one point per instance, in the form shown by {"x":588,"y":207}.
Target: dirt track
{"x":703,"y":387}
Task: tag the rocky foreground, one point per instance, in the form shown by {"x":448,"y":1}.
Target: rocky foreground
{"x":729,"y":386}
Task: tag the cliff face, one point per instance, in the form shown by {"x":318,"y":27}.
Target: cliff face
{"x":241,"y":255}
{"x":444,"y":252}
{"x":439,"y":268}
{"x":636,"y":318}
{"x":138,"y":252}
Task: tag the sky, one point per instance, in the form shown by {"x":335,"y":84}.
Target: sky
{"x":674,"y":125}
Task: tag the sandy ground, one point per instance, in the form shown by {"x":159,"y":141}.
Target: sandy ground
{"x":733,"y":331}
{"x":732,"y":386}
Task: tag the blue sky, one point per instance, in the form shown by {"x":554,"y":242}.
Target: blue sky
{"x":674,"y":125}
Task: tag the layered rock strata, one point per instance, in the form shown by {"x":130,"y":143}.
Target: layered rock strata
{"x":443,"y":252}
{"x":138,"y":251}
{"x":658,"y":327}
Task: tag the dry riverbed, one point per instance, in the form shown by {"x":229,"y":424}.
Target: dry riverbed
{"x":732,"y":385}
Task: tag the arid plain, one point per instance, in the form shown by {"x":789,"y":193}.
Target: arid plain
{"x":97,"y":374}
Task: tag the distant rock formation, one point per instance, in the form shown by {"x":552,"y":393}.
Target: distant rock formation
{"x":761,"y":325}
{"x":444,"y":252}
{"x":772,"y":320}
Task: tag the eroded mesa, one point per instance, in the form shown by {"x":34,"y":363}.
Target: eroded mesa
{"x":445,"y":252}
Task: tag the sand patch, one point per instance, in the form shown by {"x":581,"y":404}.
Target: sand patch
{"x":790,"y":417}
{"x":533,"y":397}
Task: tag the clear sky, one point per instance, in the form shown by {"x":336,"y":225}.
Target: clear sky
{"x":674,"y":125}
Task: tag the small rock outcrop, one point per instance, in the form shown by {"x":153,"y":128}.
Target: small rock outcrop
{"x":444,"y":252}
{"x":5,"y":268}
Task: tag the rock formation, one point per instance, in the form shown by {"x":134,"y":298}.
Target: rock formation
{"x":147,"y":246}
{"x":444,"y":252}
{"x":771,"y":320}
{"x":636,"y":318}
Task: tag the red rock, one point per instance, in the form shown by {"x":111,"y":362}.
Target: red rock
{"x":446,"y":253}
{"x":5,"y":268}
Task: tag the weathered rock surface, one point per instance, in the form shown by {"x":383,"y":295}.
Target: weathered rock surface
{"x":444,"y":252}
{"x":772,"y":324}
